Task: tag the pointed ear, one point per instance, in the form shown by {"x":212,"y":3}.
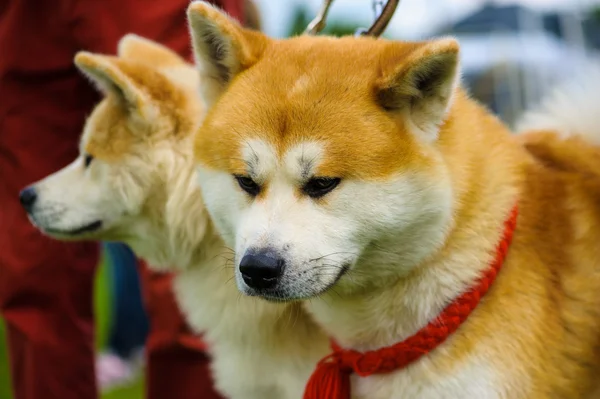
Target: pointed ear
{"x":105,"y":73}
{"x":137,"y":48}
{"x":420,"y":85}
{"x":222,"y":48}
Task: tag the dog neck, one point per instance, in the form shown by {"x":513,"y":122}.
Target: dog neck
{"x":174,"y":231}
{"x":485,"y":186}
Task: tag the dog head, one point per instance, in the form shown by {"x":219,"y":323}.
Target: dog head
{"x":135,"y":144}
{"x":318,"y":158}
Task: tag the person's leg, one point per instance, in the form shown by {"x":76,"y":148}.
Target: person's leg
{"x":45,"y":289}
{"x":120,"y":361}
{"x":45,"y":285}
{"x":179,"y":369}
{"x":129,"y":327}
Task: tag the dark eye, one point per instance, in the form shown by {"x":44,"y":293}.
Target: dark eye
{"x":87,"y":160}
{"x":319,"y":186}
{"x":248,"y":185}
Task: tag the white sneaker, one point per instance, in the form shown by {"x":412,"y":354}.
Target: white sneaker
{"x":113,"y":372}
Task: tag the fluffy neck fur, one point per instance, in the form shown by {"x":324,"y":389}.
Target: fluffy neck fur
{"x":486,"y":186}
{"x":176,"y":231}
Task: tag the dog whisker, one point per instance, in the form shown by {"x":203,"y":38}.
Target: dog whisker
{"x":331,"y":254}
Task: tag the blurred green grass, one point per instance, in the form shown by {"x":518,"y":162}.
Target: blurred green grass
{"x":102,"y":303}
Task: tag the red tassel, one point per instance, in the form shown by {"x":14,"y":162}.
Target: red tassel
{"x":328,"y":381}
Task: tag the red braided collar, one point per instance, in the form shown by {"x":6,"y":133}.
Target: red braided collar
{"x":331,"y":379}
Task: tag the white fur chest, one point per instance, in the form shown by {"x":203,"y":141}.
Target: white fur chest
{"x":474,"y":378}
{"x":260,"y":350}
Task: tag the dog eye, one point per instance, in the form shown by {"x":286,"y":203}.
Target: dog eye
{"x":319,"y":186}
{"x":87,"y":160}
{"x":248,"y":185}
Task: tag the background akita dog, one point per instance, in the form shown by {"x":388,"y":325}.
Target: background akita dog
{"x":358,"y":173}
{"x":135,"y":181}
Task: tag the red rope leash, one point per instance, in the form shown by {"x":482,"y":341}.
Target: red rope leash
{"x":331,"y":379}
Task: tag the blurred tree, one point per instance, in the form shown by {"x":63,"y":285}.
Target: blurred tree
{"x":595,"y":13}
{"x":300,"y":21}
{"x":591,"y":27}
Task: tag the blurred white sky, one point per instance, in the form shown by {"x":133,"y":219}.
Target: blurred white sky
{"x":413,"y":19}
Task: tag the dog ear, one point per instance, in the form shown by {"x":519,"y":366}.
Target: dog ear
{"x":420,"y":85}
{"x":137,"y":48}
{"x":105,"y":73}
{"x":222,"y":48}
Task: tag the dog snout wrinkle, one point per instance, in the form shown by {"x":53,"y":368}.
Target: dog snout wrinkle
{"x":261,"y":270}
{"x":27,"y":197}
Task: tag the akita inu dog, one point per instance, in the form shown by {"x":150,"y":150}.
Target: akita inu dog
{"x":135,"y":182}
{"x":444,"y":257}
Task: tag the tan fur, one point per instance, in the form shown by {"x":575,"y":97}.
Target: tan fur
{"x":347,"y":160}
{"x":142,"y":185}
{"x":157,"y":91}
{"x":537,"y":332}
{"x":136,"y":48}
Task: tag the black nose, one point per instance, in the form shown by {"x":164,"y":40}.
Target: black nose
{"x":261,"y":271}
{"x":28,"y":197}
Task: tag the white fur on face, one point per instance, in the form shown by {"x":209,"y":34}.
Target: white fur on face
{"x":321,"y":241}
{"x":474,"y":379}
{"x":77,"y":197}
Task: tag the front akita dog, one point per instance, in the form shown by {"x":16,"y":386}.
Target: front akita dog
{"x":357,"y":173}
{"x":135,"y":182}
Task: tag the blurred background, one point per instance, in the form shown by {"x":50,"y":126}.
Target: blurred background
{"x":512,"y":52}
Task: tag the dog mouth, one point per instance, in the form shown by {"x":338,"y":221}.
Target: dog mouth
{"x":281,"y":294}
{"x":88,"y":228}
